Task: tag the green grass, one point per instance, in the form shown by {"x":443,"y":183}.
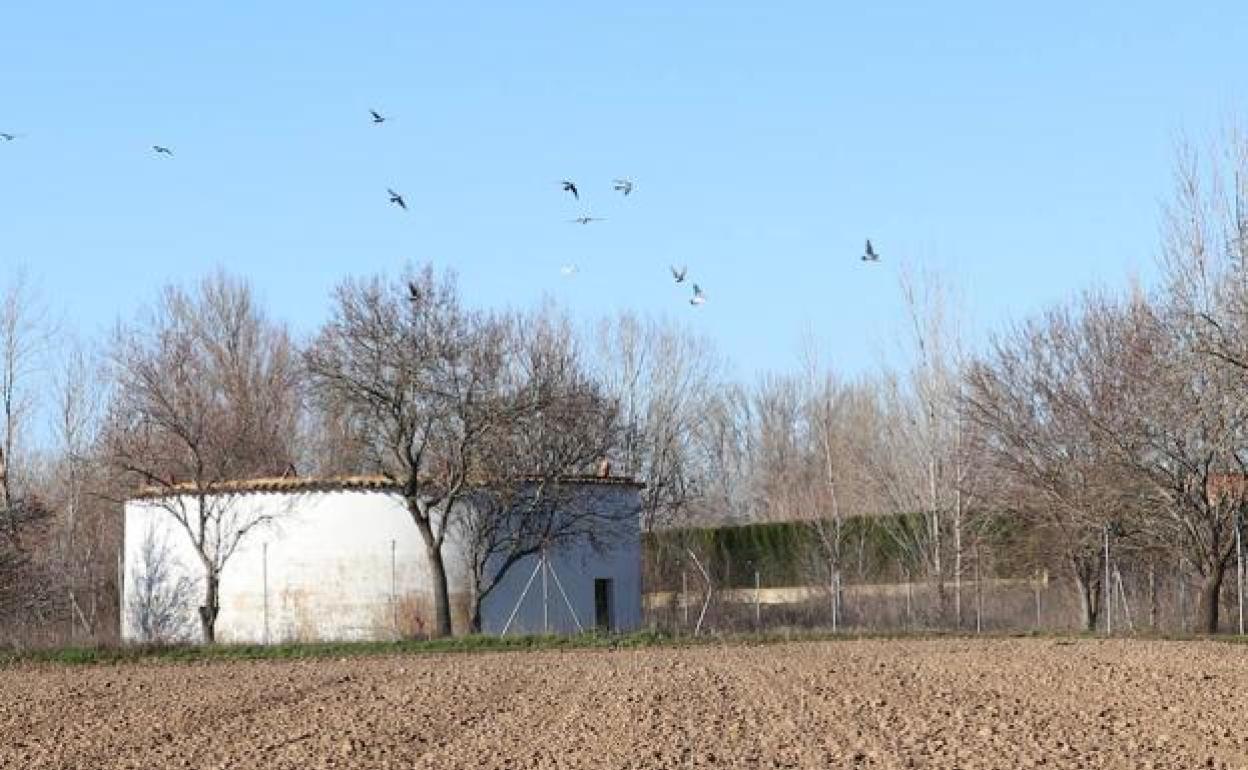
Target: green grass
{"x":88,"y":656}
{"x":228,"y":652}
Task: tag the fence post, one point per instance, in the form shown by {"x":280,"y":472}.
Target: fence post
{"x":121,"y":589}
{"x":684,"y":595}
{"x":1109,"y":591}
{"x":1239,"y":572}
{"x":979,"y":592}
{"x":1181,"y":585}
{"x":394,"y":590}
{"x":758,"y":607}
{"x":1039,"y":624}
{"x":545,"y":596}
{"x":264,"y":579}
{"x":909,"y":599}
{"x":836,"y":598}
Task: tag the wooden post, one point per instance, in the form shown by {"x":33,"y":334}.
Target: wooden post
{"x":1109,"y":592}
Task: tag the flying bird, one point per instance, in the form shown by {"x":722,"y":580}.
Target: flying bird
{"x":679,"y":275}
{"x":413,"y":291}
{"x":568,"y":270}
{"x":587,"y":220}
{"x":8,"y":137}
{"x":571,"y":187}
{"x":377,"y":116}
{"x":623,"y":185}
{"x":698,"y":297}
{"x":397,"y":199}
{"x":870,"y":256}
{"x":159,"y":150}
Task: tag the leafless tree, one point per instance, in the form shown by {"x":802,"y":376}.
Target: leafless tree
{"x":1047,"y":404}
{"x":1190,"y":442}
{"x":1193,"y":434}
{"x":725,"y":442}
{"x":836,"y":418}
{"x":25,"y":332}
{"x":662,"y":375}
{"x":562,"y":425}
{"x":422,"y":383}
{"x":79,"y":473}
{"x":207,"y":392}
{"x":1204,"y":254}
{"x":916,"y":459}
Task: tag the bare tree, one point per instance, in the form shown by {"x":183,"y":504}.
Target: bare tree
{"x":916,"y":458}
{"x":1190,"y":442}
{"x":1194,"y":435}
{"x":527,"y":503}
{"x":420,"y":380}
{"x":1047,"y":408}
{"x":836,"y":419}
{"x":1204,"y":253}
{"x":207,"y":392}
{"x":79,"y":471}
{"x":662,"y":376}
{"x":24,"y":336}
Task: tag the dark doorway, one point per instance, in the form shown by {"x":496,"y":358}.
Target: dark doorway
{"x":604,"y":608}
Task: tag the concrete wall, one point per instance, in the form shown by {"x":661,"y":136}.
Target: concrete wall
{"x":350,"y":565}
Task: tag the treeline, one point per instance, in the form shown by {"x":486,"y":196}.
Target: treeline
{"x":1116,"y":423}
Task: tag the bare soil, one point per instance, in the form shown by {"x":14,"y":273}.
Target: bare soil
{"x":860,"y":704}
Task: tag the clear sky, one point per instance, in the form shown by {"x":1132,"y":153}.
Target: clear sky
{"x":1022,"y":148}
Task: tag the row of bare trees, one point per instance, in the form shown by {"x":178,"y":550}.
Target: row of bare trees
{"x":1112,"y":418}
{"x":1116,"y":417}
{"x":478,"y":418}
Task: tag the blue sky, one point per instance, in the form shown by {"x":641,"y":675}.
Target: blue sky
{"x":1024,"y":150}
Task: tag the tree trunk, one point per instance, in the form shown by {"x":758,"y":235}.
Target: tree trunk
{"x":437,"y":568}
{"x":210,"y":609}
{"x":441,"y":593}
{"x":1207,"y":608}
{"x":474,"y":606}
{"x":1087,"y":583}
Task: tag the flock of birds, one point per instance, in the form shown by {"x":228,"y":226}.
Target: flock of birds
{"x":624,"y":186}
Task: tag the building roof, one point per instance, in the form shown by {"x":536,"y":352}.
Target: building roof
{"x":298,"y":484}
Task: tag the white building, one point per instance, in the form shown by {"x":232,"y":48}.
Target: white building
{"x":342,"y":559}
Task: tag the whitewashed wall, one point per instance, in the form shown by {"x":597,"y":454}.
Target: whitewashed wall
{"x":350,"y":565}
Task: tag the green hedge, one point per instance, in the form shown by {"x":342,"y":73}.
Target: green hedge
{"x":784,"y":553}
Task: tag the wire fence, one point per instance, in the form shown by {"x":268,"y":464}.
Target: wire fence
{"x":693,"y":595}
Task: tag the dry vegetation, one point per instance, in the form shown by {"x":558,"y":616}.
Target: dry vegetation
{"x":867,"y":704}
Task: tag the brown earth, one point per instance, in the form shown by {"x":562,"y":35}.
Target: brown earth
{"x":860,"y":704}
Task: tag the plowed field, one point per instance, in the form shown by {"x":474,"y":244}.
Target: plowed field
{"x":860,"y":704}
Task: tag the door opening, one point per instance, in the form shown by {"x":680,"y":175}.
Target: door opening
{"x":603,"y":604}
